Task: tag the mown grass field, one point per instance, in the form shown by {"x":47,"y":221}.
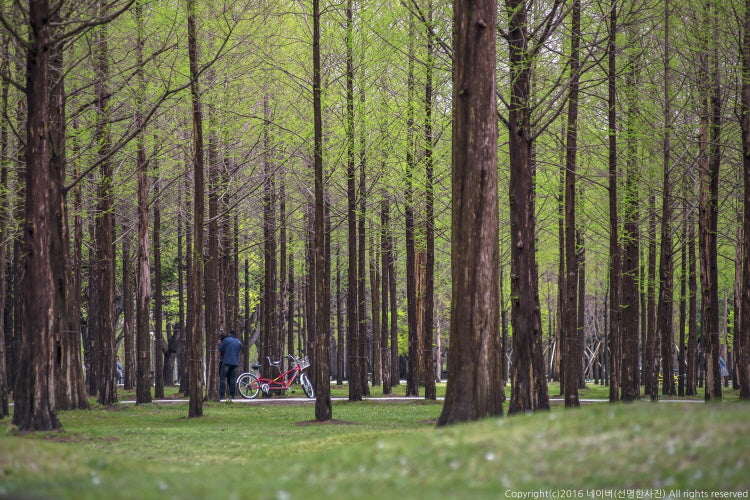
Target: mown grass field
{"x":376,"y":449}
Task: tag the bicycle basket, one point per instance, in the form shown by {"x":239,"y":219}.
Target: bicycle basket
{"x":303,"y":362}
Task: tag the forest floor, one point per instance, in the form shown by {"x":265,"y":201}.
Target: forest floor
{"x":382,"y":449}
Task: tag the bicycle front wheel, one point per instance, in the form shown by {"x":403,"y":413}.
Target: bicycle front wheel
{"x":248,"y":385}
{"x":306,"y":386}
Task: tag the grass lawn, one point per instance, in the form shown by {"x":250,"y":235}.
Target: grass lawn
{"x":377,"y":449}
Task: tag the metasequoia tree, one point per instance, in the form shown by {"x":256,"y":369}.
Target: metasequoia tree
{"x":4,"y":204}
{"x":474,"y":389}
{"x":630,"y":379}
{"x":708,"y":169}
{"x":571,"y":337}
{"x":196,"y":303}
{"x":34,"y":393}
{"x":143,"y":267}
{"x":666,"y":267}
{"x":615,"y":279}
{"x":744,"y":333}
{"x":529,"y":384}
{"x":319,"y":275}
{"x":353,"y":335}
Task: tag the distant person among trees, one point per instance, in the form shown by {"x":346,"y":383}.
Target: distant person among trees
{"x":229,"y":360}
{"x":118,"y":367}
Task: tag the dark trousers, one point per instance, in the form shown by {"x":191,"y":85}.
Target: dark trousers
{"x":227,"y":374}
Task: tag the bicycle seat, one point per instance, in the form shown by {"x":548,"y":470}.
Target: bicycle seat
{"x":257,"y":367}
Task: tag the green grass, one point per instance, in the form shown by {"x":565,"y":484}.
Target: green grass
{"x":375,"y":449}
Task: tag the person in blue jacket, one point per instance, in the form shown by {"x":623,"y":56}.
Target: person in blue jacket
{"x":229,"y":360}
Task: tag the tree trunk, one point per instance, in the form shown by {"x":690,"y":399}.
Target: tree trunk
{"x":4,"y":236}
{"x":615,"y":269}
{"x":708,"y":216}
{"x":412,"y":388}
{"x":362,"y":261}
{"x":323,"y":410}
{"x":352,"y":300}
{"x":34,"y":393}
{"x":529,"y":383}
{"x":377,"y":373}
{"x":212,"y":277}
{"x":630,"y":382}
{"x":429,"y":268}
{"x":196,"y":272}
{"x":101,"y":313}
{"x":474,"y":388}
{"x":744,"y":332}
{"x":572,"y":360}
{"x":71,"y":392}
{"x":385,"y":274}
{"x":664,"y":314}
{"x":162,"y":350}
{"x":143,"y":271}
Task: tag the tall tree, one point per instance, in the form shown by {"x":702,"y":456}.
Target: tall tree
{"x":630,"y":381}
{"x":615,"y":314}
{"x":474,"y":388}
{"x":352,"y":299}
{"x":143,"y":268}
{"x":196,"y":272}
{"x":4,"y":206}
{"x":71,"y":392}
{"x":572,"y":360}
{"x":101,"y":312}
{"x":429,"y":200}
{"x":664,"y":325}
{"x":708,"y":166}
{"x":529,"y":384}
{"x":412,"y":388}
{"x":323,"y":410}
{"x":744,"y":332}
{"x":34,"y":392}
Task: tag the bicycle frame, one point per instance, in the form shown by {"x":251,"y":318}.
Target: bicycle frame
{"x":281,"y":382}
{"x":250,"y":384}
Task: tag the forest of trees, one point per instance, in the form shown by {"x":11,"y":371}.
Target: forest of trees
{"x":409,"y":190}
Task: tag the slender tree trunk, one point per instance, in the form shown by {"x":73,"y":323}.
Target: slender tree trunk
{"x":377,"y":373}
{"x":196,"y":272}
{"x":692,"y":344}
{"x":412,"y":388}
{"x":615,"y":270}
{"x":102,"y":311}
{"x":143,"y":271}
{"x":528,"y":379}
{"x":630,"y":383}
{"x":572,"y":360}
{"x":666,"y":265}
{"x":212,"y":274}
{"x":352,"y":300}
{"x":474,"y":389}
{"x":162,"y":350}
{"x":650,"y":350}
{"x":429,"y":269}
{"x":385,"y":273}
{"x":744,"y":332}
{"x":708,"y":217}
{"x":323,"y":410}
{"x":4,"y":236}
{"x":362,"y":260}
{"x":128,"y":311}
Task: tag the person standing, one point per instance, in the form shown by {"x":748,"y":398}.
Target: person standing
{"x":229,"y":360}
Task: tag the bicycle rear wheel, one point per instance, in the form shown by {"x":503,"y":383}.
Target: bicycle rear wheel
{"x":248,"y":385}
{"x":306,"y":385}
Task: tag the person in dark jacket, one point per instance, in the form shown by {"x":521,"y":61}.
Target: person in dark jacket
{"x":229,"y":360}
